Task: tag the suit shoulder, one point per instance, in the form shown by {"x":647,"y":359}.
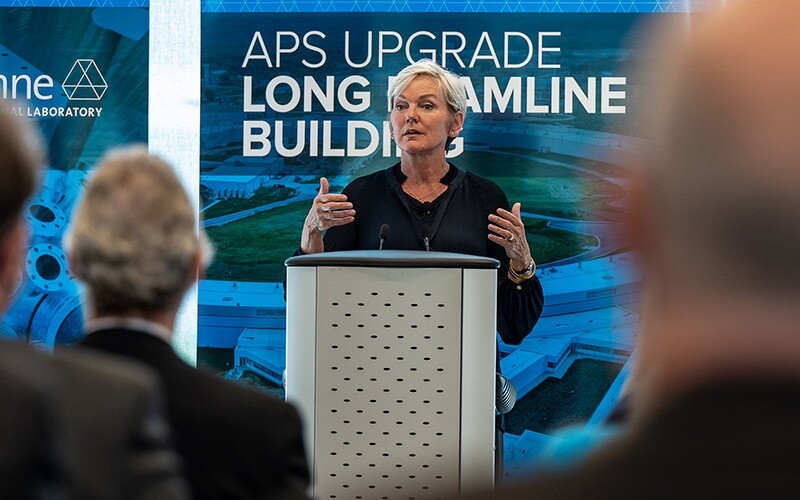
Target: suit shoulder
{"x":105,"y":369}
{"x":240,"y":397}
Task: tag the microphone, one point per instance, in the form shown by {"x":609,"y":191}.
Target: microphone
{"x":383,"y":235}
{"x":505,"y":395}
{"x":426,"y":237}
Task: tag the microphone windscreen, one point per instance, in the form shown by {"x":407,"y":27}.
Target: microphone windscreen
{"x":505,"y":395}
{"x":384,"y":232}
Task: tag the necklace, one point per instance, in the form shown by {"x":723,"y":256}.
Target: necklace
{"x":419,"y":197}
{"x":415,"y":194}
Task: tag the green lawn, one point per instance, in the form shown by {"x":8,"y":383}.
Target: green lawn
{"x":550,"y":244}
{"x":542,"y":188}
{"x":569,"y":400}
{"x":262,"y":196}
{"x":255,"y":248}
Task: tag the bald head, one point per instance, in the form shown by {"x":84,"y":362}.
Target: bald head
{"x":723,"y":183}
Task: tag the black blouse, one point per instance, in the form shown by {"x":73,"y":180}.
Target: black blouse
{"x":457,"y":221}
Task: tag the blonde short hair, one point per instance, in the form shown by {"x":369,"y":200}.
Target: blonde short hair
{"x":133,"y":237}
{"x":453,"y":89}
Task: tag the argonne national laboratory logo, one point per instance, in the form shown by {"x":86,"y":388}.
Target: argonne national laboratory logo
{"x":84,"y":82}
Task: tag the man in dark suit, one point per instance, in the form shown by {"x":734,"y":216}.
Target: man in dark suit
{"x":104,"y":432}
{"x":71,"y":426}
{"x":134,"y":244}
{"x":28,"y":464}
{"x":28,"y":433}
{"x":715,"y":212}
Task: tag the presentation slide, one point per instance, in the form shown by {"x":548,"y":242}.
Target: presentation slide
{"x":288,"y":98}
{"x":81,"y":75}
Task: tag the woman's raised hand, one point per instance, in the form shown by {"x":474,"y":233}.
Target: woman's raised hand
{"x":507,"y":230}
{"x":328,"y":210}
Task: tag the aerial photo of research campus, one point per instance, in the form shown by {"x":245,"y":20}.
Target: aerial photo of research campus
{"x":568,"y":170}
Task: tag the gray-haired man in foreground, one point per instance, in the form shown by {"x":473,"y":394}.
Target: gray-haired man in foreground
{"x":134,"y":243}
{"x":76,"y":425}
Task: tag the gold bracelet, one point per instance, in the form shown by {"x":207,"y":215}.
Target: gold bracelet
{"x":525,"y":275}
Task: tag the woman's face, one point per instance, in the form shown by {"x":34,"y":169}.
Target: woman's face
{"x":421,"y":120}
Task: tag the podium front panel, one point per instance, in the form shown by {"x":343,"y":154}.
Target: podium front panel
{"x":393,"y":371}
{"x":388,"y":382}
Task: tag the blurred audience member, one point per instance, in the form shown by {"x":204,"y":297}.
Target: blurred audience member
{"x":71,"y":426}
{"x":134,"y":243}
{"x":27,"y":432}
{"x":716,"y":215}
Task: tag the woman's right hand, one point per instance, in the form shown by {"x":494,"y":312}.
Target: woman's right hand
{"x":328,"y":210}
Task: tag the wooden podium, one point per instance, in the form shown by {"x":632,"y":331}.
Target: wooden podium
{"x":390,"y":359}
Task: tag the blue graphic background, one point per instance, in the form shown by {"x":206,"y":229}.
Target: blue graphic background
{"x":616,"y":6}
{"x":564,"y":167}
{"x":115,"y":40}
{"x":600,"y":281}
{"x":74,"y":3}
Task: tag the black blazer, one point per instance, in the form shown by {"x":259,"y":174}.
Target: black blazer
{"x":237,"y":442}
{"x":732,"y":439}
{"x":103,"y":434}
{"x":29,"y":437}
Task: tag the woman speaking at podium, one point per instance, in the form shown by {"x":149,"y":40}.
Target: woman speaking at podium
{"x":429,"y":203}
{"x":424,"y":202}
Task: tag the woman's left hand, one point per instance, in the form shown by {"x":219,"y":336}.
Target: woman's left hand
{"x":507,"y":230}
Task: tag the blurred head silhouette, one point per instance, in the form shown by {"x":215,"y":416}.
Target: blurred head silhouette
{"x":716,"y":204}
{"x":714,"y":213}
{"x":133,"y":240}
{"x":21,"y":157}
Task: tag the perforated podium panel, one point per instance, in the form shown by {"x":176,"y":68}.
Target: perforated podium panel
{"x":393,"y":369}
